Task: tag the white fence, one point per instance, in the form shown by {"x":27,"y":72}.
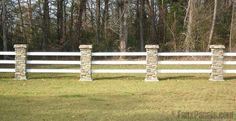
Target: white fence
{"x":112,"y":62}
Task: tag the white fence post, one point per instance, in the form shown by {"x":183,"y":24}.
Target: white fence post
{"x":217,"y":59}
{"x":20,"y":58}
{"x":152,"y":61}
{"x":86,"y":63}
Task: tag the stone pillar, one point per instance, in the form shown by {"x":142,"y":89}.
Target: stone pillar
{"x":20,"y":58}
{"x":86,"y":64}
{"x":151,"y":62}
{"x":217,"y":59}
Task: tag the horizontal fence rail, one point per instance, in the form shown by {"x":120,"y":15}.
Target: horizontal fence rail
{"x":184,"y":54}
{"x":53,"y":62}
{"x":53,"y":70}
{"x":7,"y":70}
{"x":57,"y":62}
{"x":7,"y":53}
{"x":230,"y":54}
{"x":184,"y":71}
{"x":119,"y":54}
{"x":121,"y":71}
{"x":85,"y":62}
{"x":7,"y":61}
{"x":230,"y":71}
{"x":118,"y":62}
{"x":230,"y":62}
{"x":184,"y":62}
{"x":53,"y":54}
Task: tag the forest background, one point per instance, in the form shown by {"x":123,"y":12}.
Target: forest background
{"x":118,"y":25}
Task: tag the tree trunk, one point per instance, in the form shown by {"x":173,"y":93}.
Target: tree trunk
{"x":212,"y":26}
{"x":60,"y":22}
{"x":22,"y":23}
{"x":189,"y":42}
{"x":30,"y":17}
{"x":162,"y":29}
{"x":154,"y":26}
{"x":123,"y":13}
{"x":64,"y":25}
{"x":141,"y":9}
{"x":71,"y":25}
{"x":82,"y":8}
{"x":4,"y":27}
{"x":106,"y":18}
{"x":97,"y":21}
{"x":46,"y":25}
{"x":152,"y":14}
{"x":232,"y":40}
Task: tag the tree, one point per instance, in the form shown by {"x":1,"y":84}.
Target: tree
{"x":232,"y":39}
{"x":162,"y":22}
{"x":141,"y":9}
{"x":82,"y":7}
{"x":46,"y":25}
{"x":106,"y":18}
{"x":189,"y":40}
{"x":152,"y":13}
{"x":30,"y":17}
{"x":22,"y":22}
{"x":60,"y":22}
{"x":117,"y":25}
{"x":123,"y":14}
{"x":4,"y":27}
{"x":98,"y":15}
{"x":213,"y":25}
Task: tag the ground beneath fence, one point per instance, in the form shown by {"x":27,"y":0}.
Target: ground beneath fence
{"x":114,"y":97}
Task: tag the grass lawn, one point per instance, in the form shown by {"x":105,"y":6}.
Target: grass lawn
{"x":115,"y":97}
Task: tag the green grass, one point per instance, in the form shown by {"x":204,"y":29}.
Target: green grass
{"x":114,"y":97}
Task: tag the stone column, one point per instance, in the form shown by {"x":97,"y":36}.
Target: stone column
{"x":217,"y":59}
{"x":151,"y":62}
{"x":86,"y":64}
{"x":20,"y":58}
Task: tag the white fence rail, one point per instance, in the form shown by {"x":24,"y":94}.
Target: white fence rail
{"x":230,"y":54}
{"x":53,"y":70}
{"x":53,"y":54}
{"x":112,"y":62}
{"x":118,"y":53}
{"x":167,"y":54}
{"x":7,"y":53}
{"x":53,"y":62}
{"x":121,"y":71}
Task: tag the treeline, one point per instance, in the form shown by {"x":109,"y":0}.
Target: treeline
{"x":118,"y":25}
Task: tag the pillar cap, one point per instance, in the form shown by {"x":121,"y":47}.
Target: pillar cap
{"x":152,"y":46}
{"x":85,"y":46}
{"x":217,"y":47}
{"x":20,"y":46}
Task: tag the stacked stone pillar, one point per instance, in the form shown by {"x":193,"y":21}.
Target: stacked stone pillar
{"x":20,"y":58}
{"x":86,"y":63}
{"x":151,"y":62}
{"x":217,"y":63}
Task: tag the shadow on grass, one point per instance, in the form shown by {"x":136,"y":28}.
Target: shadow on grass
{"x":177,"y":78}
{"x":119,"y":78}
{"x":98,"y":77}
{"x":72,"y":96}
{"x":7,"y":75}
{"x":53,"y":76}
{"x":230,"y":78}
{"x":143,"y":78}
